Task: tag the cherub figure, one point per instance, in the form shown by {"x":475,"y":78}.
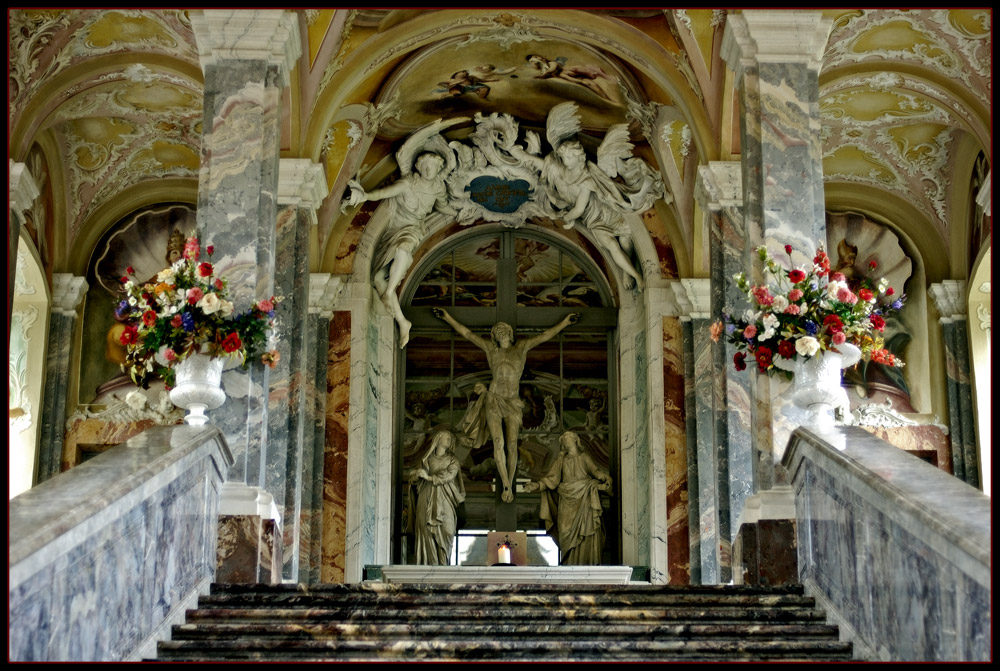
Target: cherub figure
{"x":600,"y":194}
{"x":425,"y":161}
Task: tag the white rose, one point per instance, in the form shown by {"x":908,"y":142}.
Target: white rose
{"x":779,"y":304}
{"x":226,"y":308}
{"x":136,"y":400}
{"x":807,"y":345}
{"x":210,"y":303}
{"x":166,"y":275}
{"x":770,"y":322}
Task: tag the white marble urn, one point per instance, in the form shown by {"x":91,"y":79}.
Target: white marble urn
{"x":198,"y":387}
{"x":816,"y":385}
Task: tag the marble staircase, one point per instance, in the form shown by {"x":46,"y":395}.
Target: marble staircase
{"x":503,"y":622}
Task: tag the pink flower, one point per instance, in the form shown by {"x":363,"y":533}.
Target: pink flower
{"x":795,"y":294}
{"x":170,"y":355}
{"x":271,"y":358}
{"x":194,"y":294}
{"x":762,"y":295}
{"x":218,"y":284}
{"x":837,"y":277}
{"x":792,"y":309}
{"x":176,"y":321}
{"x":750,"y":331}
{"x":266,"y":305}
{"x":715,"y":330}
{"x":838,"y":338}
{"x":191,"y":249}
{"x":844,"y":295}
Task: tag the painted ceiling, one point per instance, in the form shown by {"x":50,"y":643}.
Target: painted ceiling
{"x":110,"y":101}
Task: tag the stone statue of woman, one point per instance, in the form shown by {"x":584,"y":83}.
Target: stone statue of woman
{"x":439,"y":488}
{"x":571,"y":502}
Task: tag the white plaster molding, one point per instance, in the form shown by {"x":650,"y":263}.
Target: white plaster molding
{"x":949,"y":299}
{"x":775,"y":36}
{"x":67,"y":293}
{"x":985,"y":317}
{"x":324,"y":292}
{"x":271,"y":35}
{"x":21,"y":187}
{"x":719,"y":185}
{"x":301,"y":183}
{"x":880,"y":415}
{"x":534,"y":575}
{"x":984,"y":199}
{"x":694,"y":296}
{"x":237,"y":498}
{"x":777,"y":503}
{"x":21,"y":285}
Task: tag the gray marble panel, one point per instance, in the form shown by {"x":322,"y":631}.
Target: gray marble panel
{"x":102,"y":554}
{"x":691,"y":430}
{"x":53,"y":427}
{"x":899,"y":549}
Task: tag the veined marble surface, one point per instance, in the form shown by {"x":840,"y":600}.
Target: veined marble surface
{"x":897,"y":549}
{"x":536,"y":575}
{"x":102,"y":555}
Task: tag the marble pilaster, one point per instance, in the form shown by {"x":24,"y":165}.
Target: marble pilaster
{"x":287,"y":467}
{"x":21,"y":193}
{"x":952,"y":305}
{"x":247,"y":58}
{"x":336,"y":429}
{"x":709,"y":468}
{"x":679,"y":529}
{"x":776,"y":57}
{"x":68,"y":292}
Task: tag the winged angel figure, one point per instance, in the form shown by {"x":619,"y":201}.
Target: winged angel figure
{"x":596,"y":195}
{"x":425,"y":161}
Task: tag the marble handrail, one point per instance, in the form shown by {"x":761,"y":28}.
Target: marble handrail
{"x":103,"y":555}
{"x":896,"y":550}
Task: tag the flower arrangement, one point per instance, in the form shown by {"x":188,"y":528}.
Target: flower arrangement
{"x":184,"y":311}
{"x":807,"y":311}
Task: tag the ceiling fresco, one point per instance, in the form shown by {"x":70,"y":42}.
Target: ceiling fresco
{"x":113,"y":99}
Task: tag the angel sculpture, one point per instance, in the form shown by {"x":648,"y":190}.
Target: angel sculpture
{"x":600,"y":194}
{"x":425,"y":161}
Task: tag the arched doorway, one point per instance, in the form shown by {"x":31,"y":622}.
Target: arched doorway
{"x":529,"y":278}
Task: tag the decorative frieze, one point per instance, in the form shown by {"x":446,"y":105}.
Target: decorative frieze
{"x":271,"y":35}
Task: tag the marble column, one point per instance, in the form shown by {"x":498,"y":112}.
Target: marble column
{"x":301,"y":189}
{"x":22,"y":191}
{"x":708,"y":465}
{"x":247,"y":57}
{"x":776,"y":57}
{"x":68,"y":292}
{"x":322,"y":295}
{"x":952,"y":306}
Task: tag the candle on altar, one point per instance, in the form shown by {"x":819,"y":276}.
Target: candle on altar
{"x":503,"y":554}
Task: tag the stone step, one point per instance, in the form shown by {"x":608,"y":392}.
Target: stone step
{"x":553,"y":649}
{"x":507,"y":613}
{"x":523,"y":628}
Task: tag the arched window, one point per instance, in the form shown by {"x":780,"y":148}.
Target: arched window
{"x":531,"y":279}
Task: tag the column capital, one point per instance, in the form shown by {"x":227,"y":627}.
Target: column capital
{"x":301,"y":183}
{"x":21,"y":187}
{"x":719,"y":185}
{"x":271,"y":35}
{"x":694,"y":296}
{"x":67,"y":293}
{"x":950,"y":300}
{"x":324,"y":290}
{"x":775,"y":36}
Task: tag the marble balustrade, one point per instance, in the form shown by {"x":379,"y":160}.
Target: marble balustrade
{"x":105,"y":557}
{"x":897,"y":549}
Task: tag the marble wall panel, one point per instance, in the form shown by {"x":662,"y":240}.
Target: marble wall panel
{"x":675,"y":446}
{"x":335,"y":448}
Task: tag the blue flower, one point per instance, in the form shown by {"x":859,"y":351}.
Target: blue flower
{"x":811,"y":327}
{"x":187,"y":321}
{"x":897,"y":304}
{"x":122,"y":309}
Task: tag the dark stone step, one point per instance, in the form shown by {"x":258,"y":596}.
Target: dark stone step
{"x":505,"y":614}
{"x":521,"y":628}
{"x":556,"y":649}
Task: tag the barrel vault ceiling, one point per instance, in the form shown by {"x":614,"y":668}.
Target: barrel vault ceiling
{"x":107,"y":104}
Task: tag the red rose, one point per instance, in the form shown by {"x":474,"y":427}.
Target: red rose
{"x":205,"y":269}
{"x":834,"y":323}
{"x":796,"y":276}
{"x":788,"y":249}
{"x":877,"y":322}
{"x":889,"y":291}
{"x":123,"y":279}
{"x":218,"y":284}
{"x":764,"y":356}
{"x":786,"y":349}
{"x":148,"y":317}
{"x":865,"y":294}
{"x":130,"y":336}
{"x":740,"y":361}
{"x":232,"y":342}
{"x":872,"y":264}
{"x":210,"y":249}
{"x":130,"y":270}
